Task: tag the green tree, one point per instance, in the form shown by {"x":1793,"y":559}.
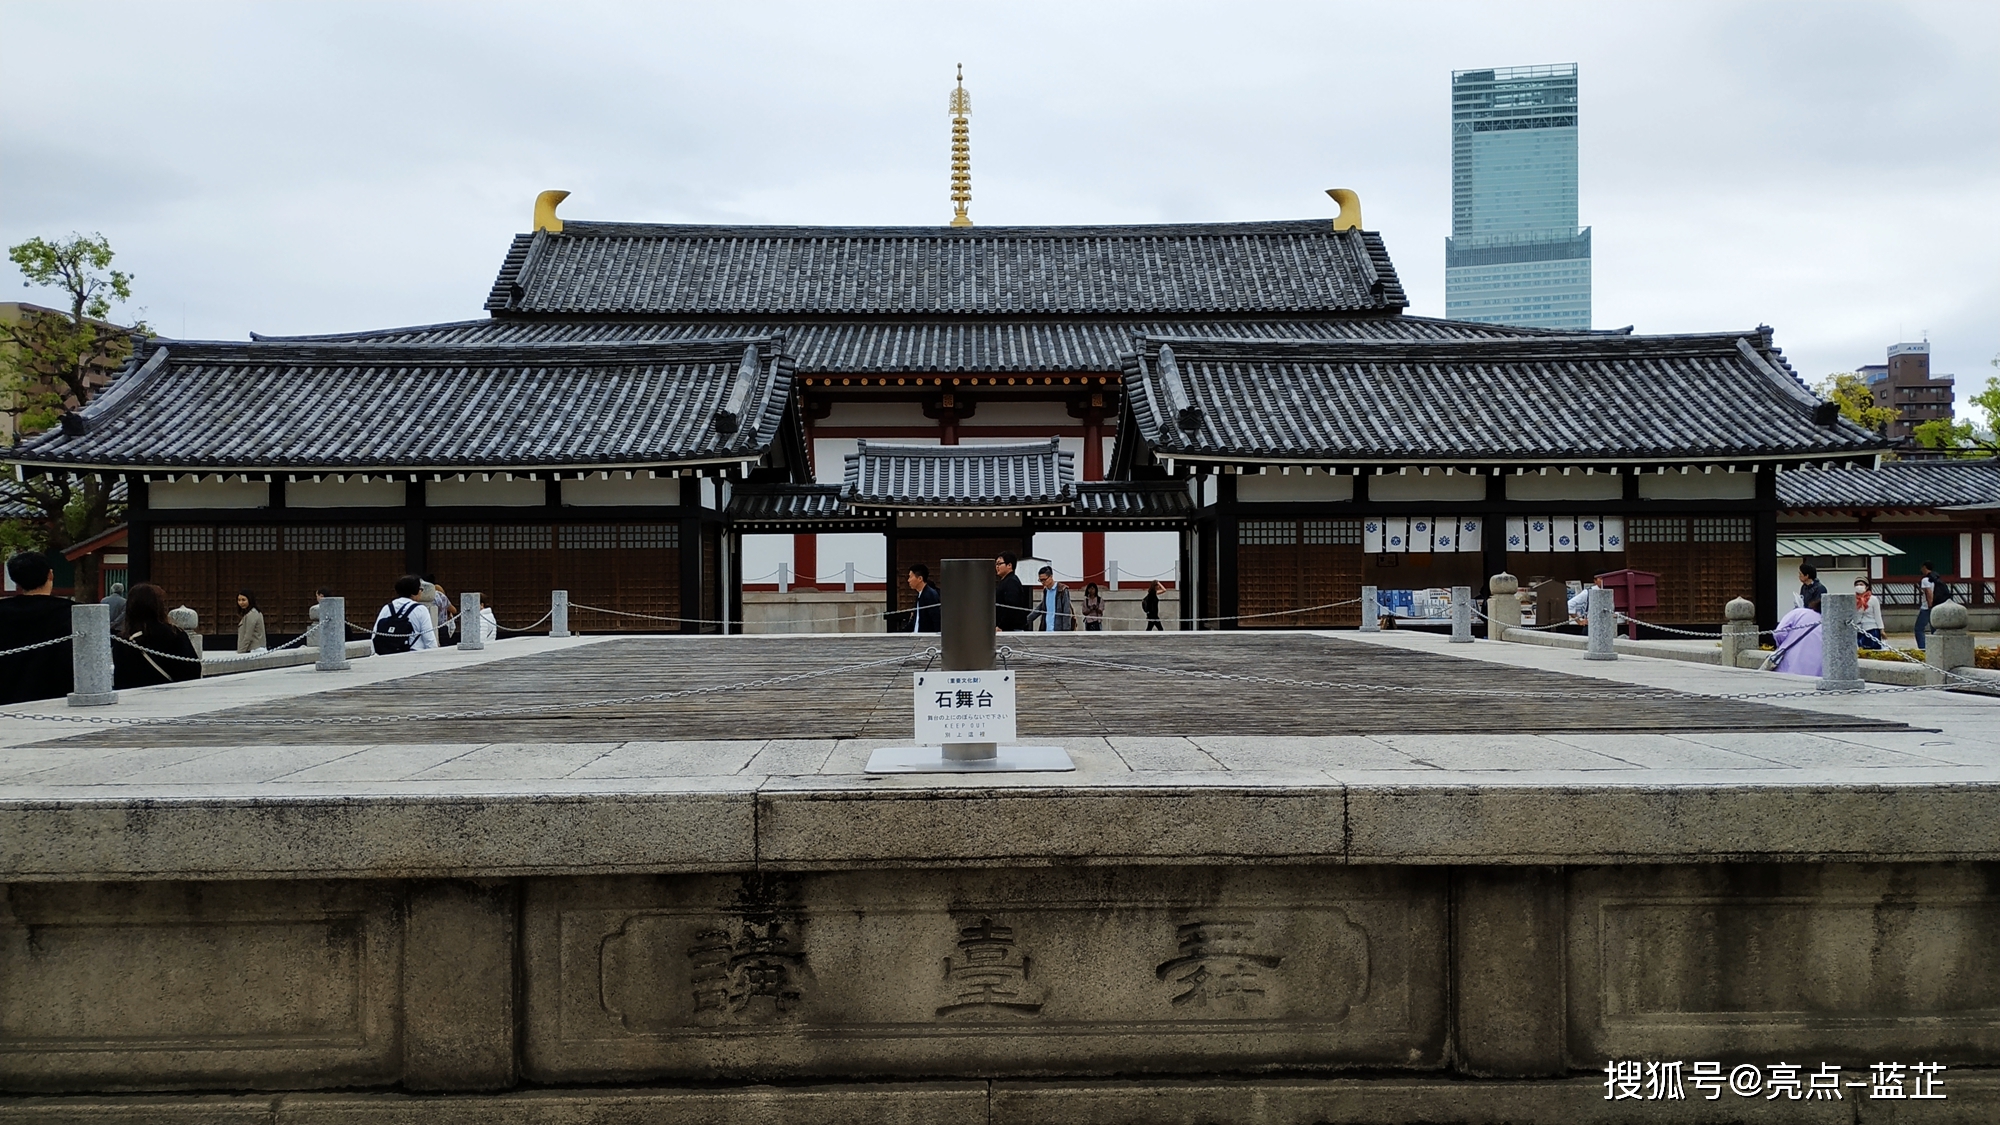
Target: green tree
{"x":52,"y":361}
{"x":1963,"y":437}
{"x":1857,"y":402}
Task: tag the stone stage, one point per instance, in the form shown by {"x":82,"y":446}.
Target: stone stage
{"x":1306,"y":894}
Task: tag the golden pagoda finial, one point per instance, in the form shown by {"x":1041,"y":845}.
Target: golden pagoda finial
{"x":961,"y":152}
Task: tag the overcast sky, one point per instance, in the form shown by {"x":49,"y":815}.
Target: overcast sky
{"x":1830,"y":169}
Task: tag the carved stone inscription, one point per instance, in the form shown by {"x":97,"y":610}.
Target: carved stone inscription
{"x":989,"y":978}
{"x":889,"y":972}
{"x":1219,"y":965}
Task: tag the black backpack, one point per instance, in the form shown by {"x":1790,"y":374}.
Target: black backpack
{"x":395,"y":633}
{"x":1940,"y":590}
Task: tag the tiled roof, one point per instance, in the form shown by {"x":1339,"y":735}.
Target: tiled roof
{"x":1559,"y":398}
{"x":1096,"y":504}
{"x":1896,"y":486}
{"x":345,"y":407}
{"x":868,"y":346}
{"x":792,"y":505}
{"x":635,"y":268}
{"x":1028,"y":475}
{"x":1128,"y":503}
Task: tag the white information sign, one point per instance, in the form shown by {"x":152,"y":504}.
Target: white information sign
{"x":965,"y":707}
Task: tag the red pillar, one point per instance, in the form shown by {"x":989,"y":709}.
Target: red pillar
{"x":1093,"y":469}
{"x":805,"y":560}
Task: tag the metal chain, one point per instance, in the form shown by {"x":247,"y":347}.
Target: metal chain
{"x":490,"y":713}
{"x":62,"y":640}
{"x":1404,"y":689}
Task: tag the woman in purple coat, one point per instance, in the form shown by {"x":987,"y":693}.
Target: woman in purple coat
{"x":1799,"y":642}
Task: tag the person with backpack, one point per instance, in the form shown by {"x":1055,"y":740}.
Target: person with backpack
{"x":404,"y":625}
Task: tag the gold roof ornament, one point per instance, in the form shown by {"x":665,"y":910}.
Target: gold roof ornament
{"x":961,"y":152}
{"x":1350,"y":209}
{"x":545,"y":211}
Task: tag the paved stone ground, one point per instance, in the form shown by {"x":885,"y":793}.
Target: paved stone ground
{"x":1387,"y":696}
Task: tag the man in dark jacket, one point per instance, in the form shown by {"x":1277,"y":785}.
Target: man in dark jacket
{"x":927,"y":617}
{"x":35,"y":614}
{"x":1010,"y":597}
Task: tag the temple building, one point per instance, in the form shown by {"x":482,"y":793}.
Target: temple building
{"x":650,"y":416}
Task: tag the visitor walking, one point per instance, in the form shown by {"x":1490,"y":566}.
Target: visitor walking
{"x":1093,"y":609}
{"x":489,"y":625}
{"x":1867,"y":615}
{"x":1927,"y":583}
{"x":1052,"y":612}
{"x":1150,"y":604}
{"x":927,"y":616}
{"x":1579,"y":603}
{"x":116,"y":600}
{"x":1011,"y":600}
{"x":33,"y":615}
{"x":158,"y":652}
{"x":404,"y":625}
{"x":1799,"y":643}
{"x":250,"y":628}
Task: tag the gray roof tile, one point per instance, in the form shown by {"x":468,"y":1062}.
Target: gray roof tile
{"x":338,"y":406}
{"x":1028,"y":475}
{"x":862,"y":345}
{"x":635,"y":268}
{"x":1896,"y":485}
{"x":1595,"y":397}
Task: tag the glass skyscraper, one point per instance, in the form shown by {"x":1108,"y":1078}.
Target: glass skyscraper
{"x":1516,"y":255}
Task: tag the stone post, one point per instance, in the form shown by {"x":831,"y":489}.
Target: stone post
{"x":1503,"y":605}
{"x":332,"y":635}
{"x":966,"y":619}
{"x":1111,"y":574}
{"x":848,"y":580}
{"x":1603,"y":625}
{"x":90,"y":655}
{"x":1461,"y":615}
{"x":1839,"y":668}
{"x":1950,"y":643}
{"x":784,"y":578}
{"x":1739,"y":631}
{"x":559,"y":614}
{"x":471,"y":630}
{"x":1371,"y":611}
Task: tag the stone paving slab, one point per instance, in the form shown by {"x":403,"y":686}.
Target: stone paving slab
{"x":309,"y":807}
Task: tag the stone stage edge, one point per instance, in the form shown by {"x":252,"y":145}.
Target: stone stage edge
{"x":1296,"y":877}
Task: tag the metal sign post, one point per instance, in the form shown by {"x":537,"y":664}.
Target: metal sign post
{"x":966,"y":704}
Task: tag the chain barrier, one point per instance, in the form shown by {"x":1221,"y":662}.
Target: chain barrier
{"x":1624,"y":620}
{"x":1529,"y":628}
{"x":1405,"y":689}
{"x":52,"y":641}
{"x":928,"y":654}
{"x":871,"y":614}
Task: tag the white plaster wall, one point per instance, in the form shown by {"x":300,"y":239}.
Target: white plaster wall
{"x":616,"y":491}
{"x":1437,"y":486}
{"x":1293,"y":487}
{"x":350,"y":493}
{"x":761,"y":556}
{"x":1020,"y":414}
{"x":1144,"y":555}
{"x":1698,"y":486}
{"x":876,"y":414}
{"x":1555,"y":486}
{"x":209,"y":492}
{"x":495,"y":493}
{"x":868,"y":552}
